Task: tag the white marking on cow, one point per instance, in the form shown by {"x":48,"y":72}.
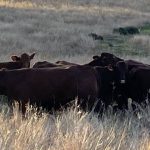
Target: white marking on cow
{"x":122,"y":81}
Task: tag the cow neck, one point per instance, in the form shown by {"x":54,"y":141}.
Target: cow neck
{"x":18,"y":64}
{"x":3,"y":82}
{"x":101,"y":80}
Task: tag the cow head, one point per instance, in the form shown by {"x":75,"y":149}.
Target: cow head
{"x":106,"y":79}
{"x":96,"y":61}
{"x":121,"y":69}
{"x":104,"y":60}
{"x":24,"y":59}
{"x":108,"y":58}
{"x":106,"y":74}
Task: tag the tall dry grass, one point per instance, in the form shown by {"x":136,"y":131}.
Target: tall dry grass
{"x":73,"y":129}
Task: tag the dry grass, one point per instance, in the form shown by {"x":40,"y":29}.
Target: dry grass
{"x":73,"y":129}
{"x":58,"y":29}
{"x":141,"y":41}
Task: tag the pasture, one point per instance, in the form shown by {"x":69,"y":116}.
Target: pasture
{"x":59,"y":30}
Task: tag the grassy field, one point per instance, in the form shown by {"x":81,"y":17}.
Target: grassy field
{"x":58,"y":30}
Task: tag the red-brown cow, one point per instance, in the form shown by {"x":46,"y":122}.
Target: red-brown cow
{"x":18,"y":62}
{"x":54,"y":87}
{"x":46,"y":64}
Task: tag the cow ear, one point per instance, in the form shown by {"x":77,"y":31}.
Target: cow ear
{"x":95,"y":57}
{"x":122,"y":65}
{"x":15,"y":58}
{"x":32,"y":56}
{"x":110,"y":68}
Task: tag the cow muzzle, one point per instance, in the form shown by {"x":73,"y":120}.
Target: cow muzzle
{"x":122,"y":81}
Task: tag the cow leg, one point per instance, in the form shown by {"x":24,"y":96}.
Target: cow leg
{"x":87,"y":103}
{"x":143,"y":96}
{"x":84,"y":103}
{"x":148,"y":95}
{"x":10,"y":104}
{"x":120,"y":95}
{"x":22,"y":106}
{"x":122,"y":101}
{"x":139,"y":97}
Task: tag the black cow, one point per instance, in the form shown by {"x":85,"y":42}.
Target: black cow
{"x":96,"y":36}
{"x":104,"y":60}
{"x":127,"y":30}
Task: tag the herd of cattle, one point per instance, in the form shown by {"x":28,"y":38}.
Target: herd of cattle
{"x":107,"y":78}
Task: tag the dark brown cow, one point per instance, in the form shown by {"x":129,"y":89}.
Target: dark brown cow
{"x":54,"y":87}
{"x":131,"y":89}
{"x":140,"y":79}
{"x":62,"y":62}
{"x":106,"y":59}
{"x":49,"y":87}
{"x":106,"y":82}
{"x":18,"y":62}
{"x":46,"y":64}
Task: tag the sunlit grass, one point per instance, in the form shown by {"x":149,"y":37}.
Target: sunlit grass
{"x":67,"y":5}
{"x":17,"y":4}
{"x":74,"y":129}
